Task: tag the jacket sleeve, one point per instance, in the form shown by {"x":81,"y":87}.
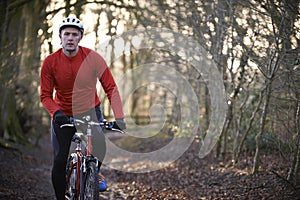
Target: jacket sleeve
{"x":110,"y":88}
{"x":47,"y":88}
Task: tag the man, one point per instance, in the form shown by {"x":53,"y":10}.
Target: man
{"x":72,"y":72}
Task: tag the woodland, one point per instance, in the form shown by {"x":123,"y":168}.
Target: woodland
{"x":254,"y":45}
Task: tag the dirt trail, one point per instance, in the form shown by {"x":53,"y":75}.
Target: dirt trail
{"x":25,"y":174}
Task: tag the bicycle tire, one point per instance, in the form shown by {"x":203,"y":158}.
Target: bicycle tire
{"x":90,"y":182}
{"x":71,"y":176}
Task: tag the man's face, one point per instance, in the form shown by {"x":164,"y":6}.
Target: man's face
{"x":70,"y":38}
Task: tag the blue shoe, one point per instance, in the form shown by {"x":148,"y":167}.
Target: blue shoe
{"x":102,"y":183}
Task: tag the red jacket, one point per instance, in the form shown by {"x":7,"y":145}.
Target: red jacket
{"x":74,"y":81}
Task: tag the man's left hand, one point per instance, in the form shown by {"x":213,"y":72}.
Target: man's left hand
{"x":119,"y":124}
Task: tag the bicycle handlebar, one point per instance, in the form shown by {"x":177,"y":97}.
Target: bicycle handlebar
{"x":107,"y":125}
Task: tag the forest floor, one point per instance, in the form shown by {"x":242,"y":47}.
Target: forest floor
{"x":25,"y":174}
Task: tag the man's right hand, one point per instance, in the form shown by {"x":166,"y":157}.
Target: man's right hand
{"x":60,"y":118}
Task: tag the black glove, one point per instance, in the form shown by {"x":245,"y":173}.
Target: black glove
{"x":60,"y":118}
{"x":119,"y":124}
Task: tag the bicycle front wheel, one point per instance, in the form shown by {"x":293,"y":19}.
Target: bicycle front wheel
{"x":71,"y":177}
{"x":90,"y":184}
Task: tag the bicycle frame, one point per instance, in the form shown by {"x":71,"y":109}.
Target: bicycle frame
{"x":81,"y":159}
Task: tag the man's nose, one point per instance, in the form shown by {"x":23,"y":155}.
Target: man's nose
{"x":70,"y":37}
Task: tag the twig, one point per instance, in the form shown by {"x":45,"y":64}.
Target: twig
{"x":281,"y":177}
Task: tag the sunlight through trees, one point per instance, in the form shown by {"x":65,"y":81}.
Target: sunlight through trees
{"x":255,"y":45}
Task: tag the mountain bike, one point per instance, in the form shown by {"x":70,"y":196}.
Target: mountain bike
{"x":82,"y":167}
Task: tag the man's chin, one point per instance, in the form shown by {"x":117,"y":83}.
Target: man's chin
{"x":70,"y":50}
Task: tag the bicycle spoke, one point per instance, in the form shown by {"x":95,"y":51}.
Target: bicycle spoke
{"x":91,"y":191}
{"x":71,"y":179}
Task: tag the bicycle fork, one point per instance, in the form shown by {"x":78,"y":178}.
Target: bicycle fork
{"x":86,"y":161}
{"x":78,"y":166}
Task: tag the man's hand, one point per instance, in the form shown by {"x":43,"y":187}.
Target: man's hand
{"x":60,"y":118}
{"x":119,"y":124}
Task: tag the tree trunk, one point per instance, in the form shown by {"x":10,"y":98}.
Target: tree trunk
{"x":294,"y":169}
{"x":10,"y":125}
{"x":28,"y":73}
{"x":19,"y":75}
{"x":237,"y":152}
{"x":258,"y":138}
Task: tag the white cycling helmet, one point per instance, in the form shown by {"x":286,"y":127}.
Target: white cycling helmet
{"x":71,"y":22}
